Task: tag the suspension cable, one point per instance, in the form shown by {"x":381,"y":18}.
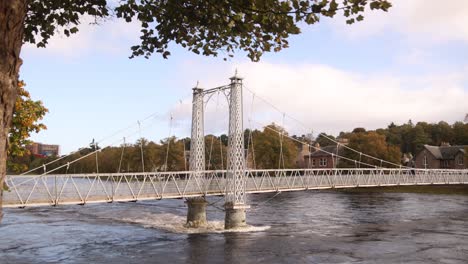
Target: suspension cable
{"x":73,"y":161}
{"x":280,"y":135}
{"x":212,"y":136}
{"x":302,"y":124}
{"x":185,"y":157}
{"x":153,"y":115}
{"x":253,"y":150}
{"x":363,"y":154}
{"x":327,"y":152}
{"x":149,"y":117}
{"x":311,"y":146}
{"x":184,"y":142}
{"x":249,"y":137}
{"x":360,"y":157}
{"x":168,"y":143}
{"x":121,"y":156}
{"x":310,"y":152}
{"x":210,"y":152}
{"x":221,"y":152}
{"x":141,"y":148}
{"x":97,"y":161}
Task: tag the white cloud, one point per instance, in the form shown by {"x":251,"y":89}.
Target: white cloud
{"x":327,"y":99}
{"x":436,"y":21}
{"x":111,"y":36}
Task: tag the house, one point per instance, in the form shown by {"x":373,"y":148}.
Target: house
{"x":303,"y":151}
{"x":443,"y":157}
{"x":323,"y":157}
{"x":44,"y":150}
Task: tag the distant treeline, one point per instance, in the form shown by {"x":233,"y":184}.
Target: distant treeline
{"x":392,"y":142}
{"x":268,"y":148}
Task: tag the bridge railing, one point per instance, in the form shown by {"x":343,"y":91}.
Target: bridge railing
{"x":108,"y":187}
{"x":346,"y":178}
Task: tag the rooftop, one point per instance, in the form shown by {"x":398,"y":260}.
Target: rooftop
{"x":445,"y":152}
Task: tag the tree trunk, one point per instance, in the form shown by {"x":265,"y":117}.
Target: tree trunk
{"x":12,"y":15}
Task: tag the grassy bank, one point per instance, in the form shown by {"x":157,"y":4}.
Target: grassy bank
{"x":429,"y":189}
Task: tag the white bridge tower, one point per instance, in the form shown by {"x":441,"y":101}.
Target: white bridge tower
{"x":235,"y":197}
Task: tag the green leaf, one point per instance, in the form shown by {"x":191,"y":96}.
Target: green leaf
{"x":166,"y":54}
{"x":73,"y":30}
{"x":217,"y":25}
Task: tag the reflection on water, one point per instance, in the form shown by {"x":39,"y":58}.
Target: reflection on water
{"x":296,"y":227}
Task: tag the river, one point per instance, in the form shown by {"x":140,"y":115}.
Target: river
{"x":294,"y":227}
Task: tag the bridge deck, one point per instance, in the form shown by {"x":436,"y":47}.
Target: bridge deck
{"x":61,"y":189}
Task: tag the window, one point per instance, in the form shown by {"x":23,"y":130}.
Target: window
{"x":313,"y":162}
{"x":460,"y":160}
{"x":323,"y":162}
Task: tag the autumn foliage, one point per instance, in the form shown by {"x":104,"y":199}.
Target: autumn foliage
{"x":26,"y":120}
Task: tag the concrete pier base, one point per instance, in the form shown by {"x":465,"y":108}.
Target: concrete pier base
{"x":196,"y":213}
{"x":235,"y":216}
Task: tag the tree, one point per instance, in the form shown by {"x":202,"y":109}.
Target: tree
{"x":171,"y":155}
{"x":418,"y":138}
{"x":359,"y":130}
{"x":373,"y":144}
{"x":108,"y":158}
{"x":406,"y":137}
{"x":201,"y":26}
{"x":325,"y":140}
{"x":25,"y":121}
{"x":270,"y":144}
{"x":215,"y":153}
{"x":460,"y":131}
{"x":224,"y":139}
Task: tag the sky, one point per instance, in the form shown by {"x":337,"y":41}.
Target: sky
{"x":409,"y":63}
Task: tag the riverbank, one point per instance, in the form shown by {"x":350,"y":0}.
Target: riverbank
{"x":459,"y":189}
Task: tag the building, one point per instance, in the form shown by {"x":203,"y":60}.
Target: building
{"x":44,"y":150}
{"x":443,"y":157}
{"x":323,"y":157}
{"x":302,"y":151}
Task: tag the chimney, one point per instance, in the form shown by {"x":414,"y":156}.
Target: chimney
{"x":343,"y":141}
{"x":317,"y":146}
{"x":444,"y":144}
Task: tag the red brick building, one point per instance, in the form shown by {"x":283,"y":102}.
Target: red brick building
{"x":40,"y":149}
{"x":323,"y":157}
{"x":443,"y":157}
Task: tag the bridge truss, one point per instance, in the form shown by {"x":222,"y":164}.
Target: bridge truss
{"x":61,"y":189}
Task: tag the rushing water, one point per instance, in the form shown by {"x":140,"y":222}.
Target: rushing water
{"x":295,"y":227}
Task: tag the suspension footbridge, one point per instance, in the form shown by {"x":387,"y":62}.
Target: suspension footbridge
{"x":235,"y":182}
{"x":62,"y":189}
